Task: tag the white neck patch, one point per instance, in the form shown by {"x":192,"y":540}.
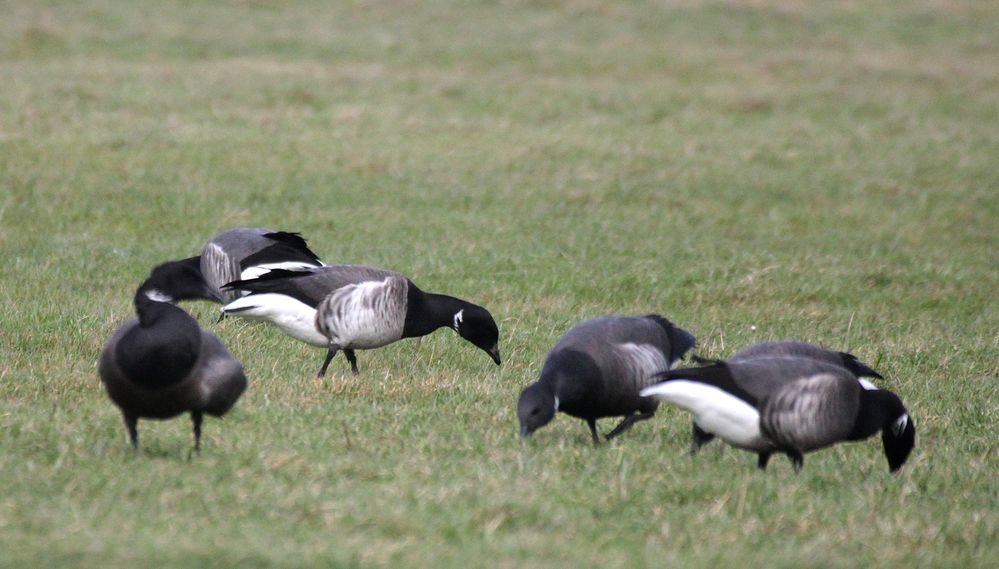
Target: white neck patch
{"x":900,"y":424}
{"x":867,"y":384}
{"x":459,"y":318}
{"x":556,"y":402}
{"x":157,"y":295}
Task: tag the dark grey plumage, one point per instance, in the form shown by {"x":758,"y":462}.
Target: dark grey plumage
{"x":597,"y":370}
{"x":247,"y":252}
{"x":818,"y":411}
{"x":244,"y":252}
{"x":788,"y":349}
{"x":793,"y":348}
{"x":309,"y":286}
{"x":787,"y":404}
{"x":163,"y":364}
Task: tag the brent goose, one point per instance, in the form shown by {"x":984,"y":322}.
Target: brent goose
{"x":789,"y":348}
{"x":597,"y":370}
{"x":248,"y":252}
{"x":787,"y":404}
{"x":163,"y":364}
{"x":241,"y":253}
{"x":351,"y":307}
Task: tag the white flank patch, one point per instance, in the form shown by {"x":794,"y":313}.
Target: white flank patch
{"x":156,"y":295}
{"x":867,"y":384}
{"x":644,"y":361}
{"x":459,"y":317}
{"x":293,"y":317}
{"x":556,"y":402}
{"x":257,"y":270}
{"x":714,"y":410}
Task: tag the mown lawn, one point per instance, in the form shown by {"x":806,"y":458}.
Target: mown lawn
{"x":753,"y":170}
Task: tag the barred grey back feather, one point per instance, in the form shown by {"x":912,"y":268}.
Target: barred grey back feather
{"x":218,"y":269}
{"x":812,"y":412}
{"x":221,"y":256}
{"x":365,"y":315}
{"x":761,"y":377}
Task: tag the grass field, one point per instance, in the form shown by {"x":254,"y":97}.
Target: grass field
{"x":753,"y":170}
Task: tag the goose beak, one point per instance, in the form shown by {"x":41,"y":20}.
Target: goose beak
{"x":525,"y":434}
{"x":494,"y":353}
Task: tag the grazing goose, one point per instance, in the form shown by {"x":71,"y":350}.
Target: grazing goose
{"x":824,"y":409}
{"x":597,"y":369}
{"x":163,"y":364}
{"x":353,"y":307}
{"x":728,"y":400}
{"x":248,"y":252}
{"x":790,"y":349}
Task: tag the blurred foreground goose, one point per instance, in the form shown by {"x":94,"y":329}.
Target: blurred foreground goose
{"x":793,"y":349}
{"x":163,"y":364}
{"x":597,"y":370}
{"x":789,"y":405}
{"x":241,"y":253}
{"x":353,"y":307}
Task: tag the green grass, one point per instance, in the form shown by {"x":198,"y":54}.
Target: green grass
{"x":753,"y":170}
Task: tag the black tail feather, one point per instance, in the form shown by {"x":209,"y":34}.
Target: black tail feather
{"x":293,"y":239}
{"x":716,"y":374}
{"x":695,"y":373}
{"x":271,"y":280}
{"x":681,"y":341}
{"x":287,"y":247}
{"x":857,"y":367}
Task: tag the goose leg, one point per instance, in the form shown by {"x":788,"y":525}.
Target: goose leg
{"x":628,"y":422}
{"x":196,"y":420}
{"x":592,"y":423}
{"x":796,"y":459}
{"x":699,"y":437}
{"x":329,"y":357}
{"x":353,"y":361}
{"x":133,"y":431}
{"x":762,"y":459}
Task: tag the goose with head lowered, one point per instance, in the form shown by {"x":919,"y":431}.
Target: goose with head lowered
{"x":248,"y":252}
{"x":240,"y":253}
{"x":790,"y":349}
{"x":353,"y":307}
{"x":597,"y":370}
{"x":163,"y":363}
{"x":789,"y":405}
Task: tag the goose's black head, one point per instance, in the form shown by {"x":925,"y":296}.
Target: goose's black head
{"x":883,"y":410}
{"x":178,"y":280}
{"x":476,"y":325}
{"x":536,"y":408}
{"x":898,"y":438}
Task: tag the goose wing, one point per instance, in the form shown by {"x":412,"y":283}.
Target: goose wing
{"x":812,"y":412}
